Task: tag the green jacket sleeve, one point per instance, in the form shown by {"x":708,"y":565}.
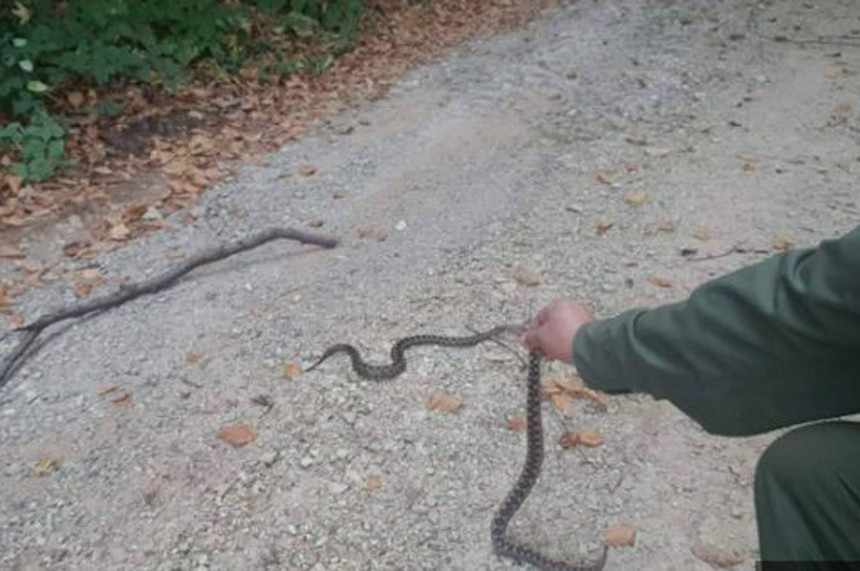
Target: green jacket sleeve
{"x":771,"y":345}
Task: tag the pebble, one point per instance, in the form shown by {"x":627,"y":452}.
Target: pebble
{"x":400,"y":226}
{"x":269,"y":458}
{"x":306,"y":462}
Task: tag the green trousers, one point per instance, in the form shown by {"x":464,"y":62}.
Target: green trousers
{"x":807,"y":495}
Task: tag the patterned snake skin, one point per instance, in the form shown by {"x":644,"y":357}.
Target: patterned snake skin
{"x":502,"y":545}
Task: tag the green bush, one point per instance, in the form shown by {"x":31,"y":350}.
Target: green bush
{"x":49,"y":46}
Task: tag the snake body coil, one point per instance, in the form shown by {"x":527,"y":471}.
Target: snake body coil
{"x":502,"y":544}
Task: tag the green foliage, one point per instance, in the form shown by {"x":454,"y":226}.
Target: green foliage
{"x":40,"y":146}
{"x":49,"y":46}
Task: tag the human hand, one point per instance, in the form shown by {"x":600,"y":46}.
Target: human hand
{"x":551,"y":332}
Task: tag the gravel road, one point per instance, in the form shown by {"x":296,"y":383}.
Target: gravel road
{"x":580,"y":157}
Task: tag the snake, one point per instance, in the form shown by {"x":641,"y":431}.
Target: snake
{"x":503,"y":545}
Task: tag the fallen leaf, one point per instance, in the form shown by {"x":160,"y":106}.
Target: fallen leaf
{"x":444,"y":402}
{"x":702,"y":236}
{"x":75,"y":98}
{"x":782,"y":244}
{"x":568,"y":440}
{"x":373,"y":483}
{"x":292,"y":371}
{"x":237,"y":435}
{"x":192,"y":357}
{"x":840,"y":114}
{"x":106,"y":388}
{"x":590,"y":439}
{"x":571,"y":385}
{"x":5,"y":296}
{"x":636,"y":198}
{"x":83,"y":290}
{"x":603,"y":226}
{"x":659,"y":282}
{"x":517,"y":423}
{"x":45,"y":466}
{"x":527,"y":277}
{"x":604,"y":177}
{"x":10,"y":252}
{"x":307,"y":170}
{"x":77,"y":249}
{"x":562,"y":401}
{"x":621,"y":535}
{"x":659,"y":226}
{"x":119,"y":232}
{"x":749,"y":164}
{"x":122,"y":400}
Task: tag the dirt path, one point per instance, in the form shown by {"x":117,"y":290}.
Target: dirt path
{"x":666,"y":125}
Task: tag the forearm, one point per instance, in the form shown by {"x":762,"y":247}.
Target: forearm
{"x":771,"y":345}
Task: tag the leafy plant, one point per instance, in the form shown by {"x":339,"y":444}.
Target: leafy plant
{"x":39,"y":146}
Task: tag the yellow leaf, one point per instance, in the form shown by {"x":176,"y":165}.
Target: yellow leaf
{"x":782,"y":244}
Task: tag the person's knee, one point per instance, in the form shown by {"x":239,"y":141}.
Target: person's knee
{"x":808,"y":455}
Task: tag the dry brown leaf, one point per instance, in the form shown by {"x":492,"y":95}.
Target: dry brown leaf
{"x":659,"y":226}
{"x":782,"y":244}
{"x":192,"y":357}
{"x":10,"y":252}
{"x":122,"y":399}
{"x":15,"y":318}
{"x":106,"y":388}
{"x":563,"y":402}
{"x":45,"y":466}
{"x":5,"y":296}
{"x":702,"y":236}
{"x":590,"y":439}
{"x":75,"y":98}
{"x":841,"y":114}
{"x":83,"y":290}
{"x":568,"y":440}
{"x":372,"y":483}
{"x":307,"y":170}
{"x":621,"y":535}
{"x":571,"y":385}
{"x":604,"y":177}
{"x":659,"y":282}
{"x":603,"y":226}
{"x":636,"y":198}
{"x":119,"y":232}
{"x":237,"y":435}
{"x":444,"y":402}
{"x":517,"y":423}
{"x":292,"y":371}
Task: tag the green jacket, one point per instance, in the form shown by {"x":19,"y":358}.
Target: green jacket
{"x":771,"y":345}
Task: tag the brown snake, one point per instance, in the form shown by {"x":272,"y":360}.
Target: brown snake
{"x":502,"y":544}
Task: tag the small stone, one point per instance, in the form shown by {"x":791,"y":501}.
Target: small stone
{"x":575,"y":208}
{"x":291,"y":529}
{"x":306,"y":462}
{"x":307,"y":170}
{"x":527,"y":277}
{"x":316,"y":223}
{"x":269,"y":458}
{"x":400,"y":226}
{"x":717,"y":556}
